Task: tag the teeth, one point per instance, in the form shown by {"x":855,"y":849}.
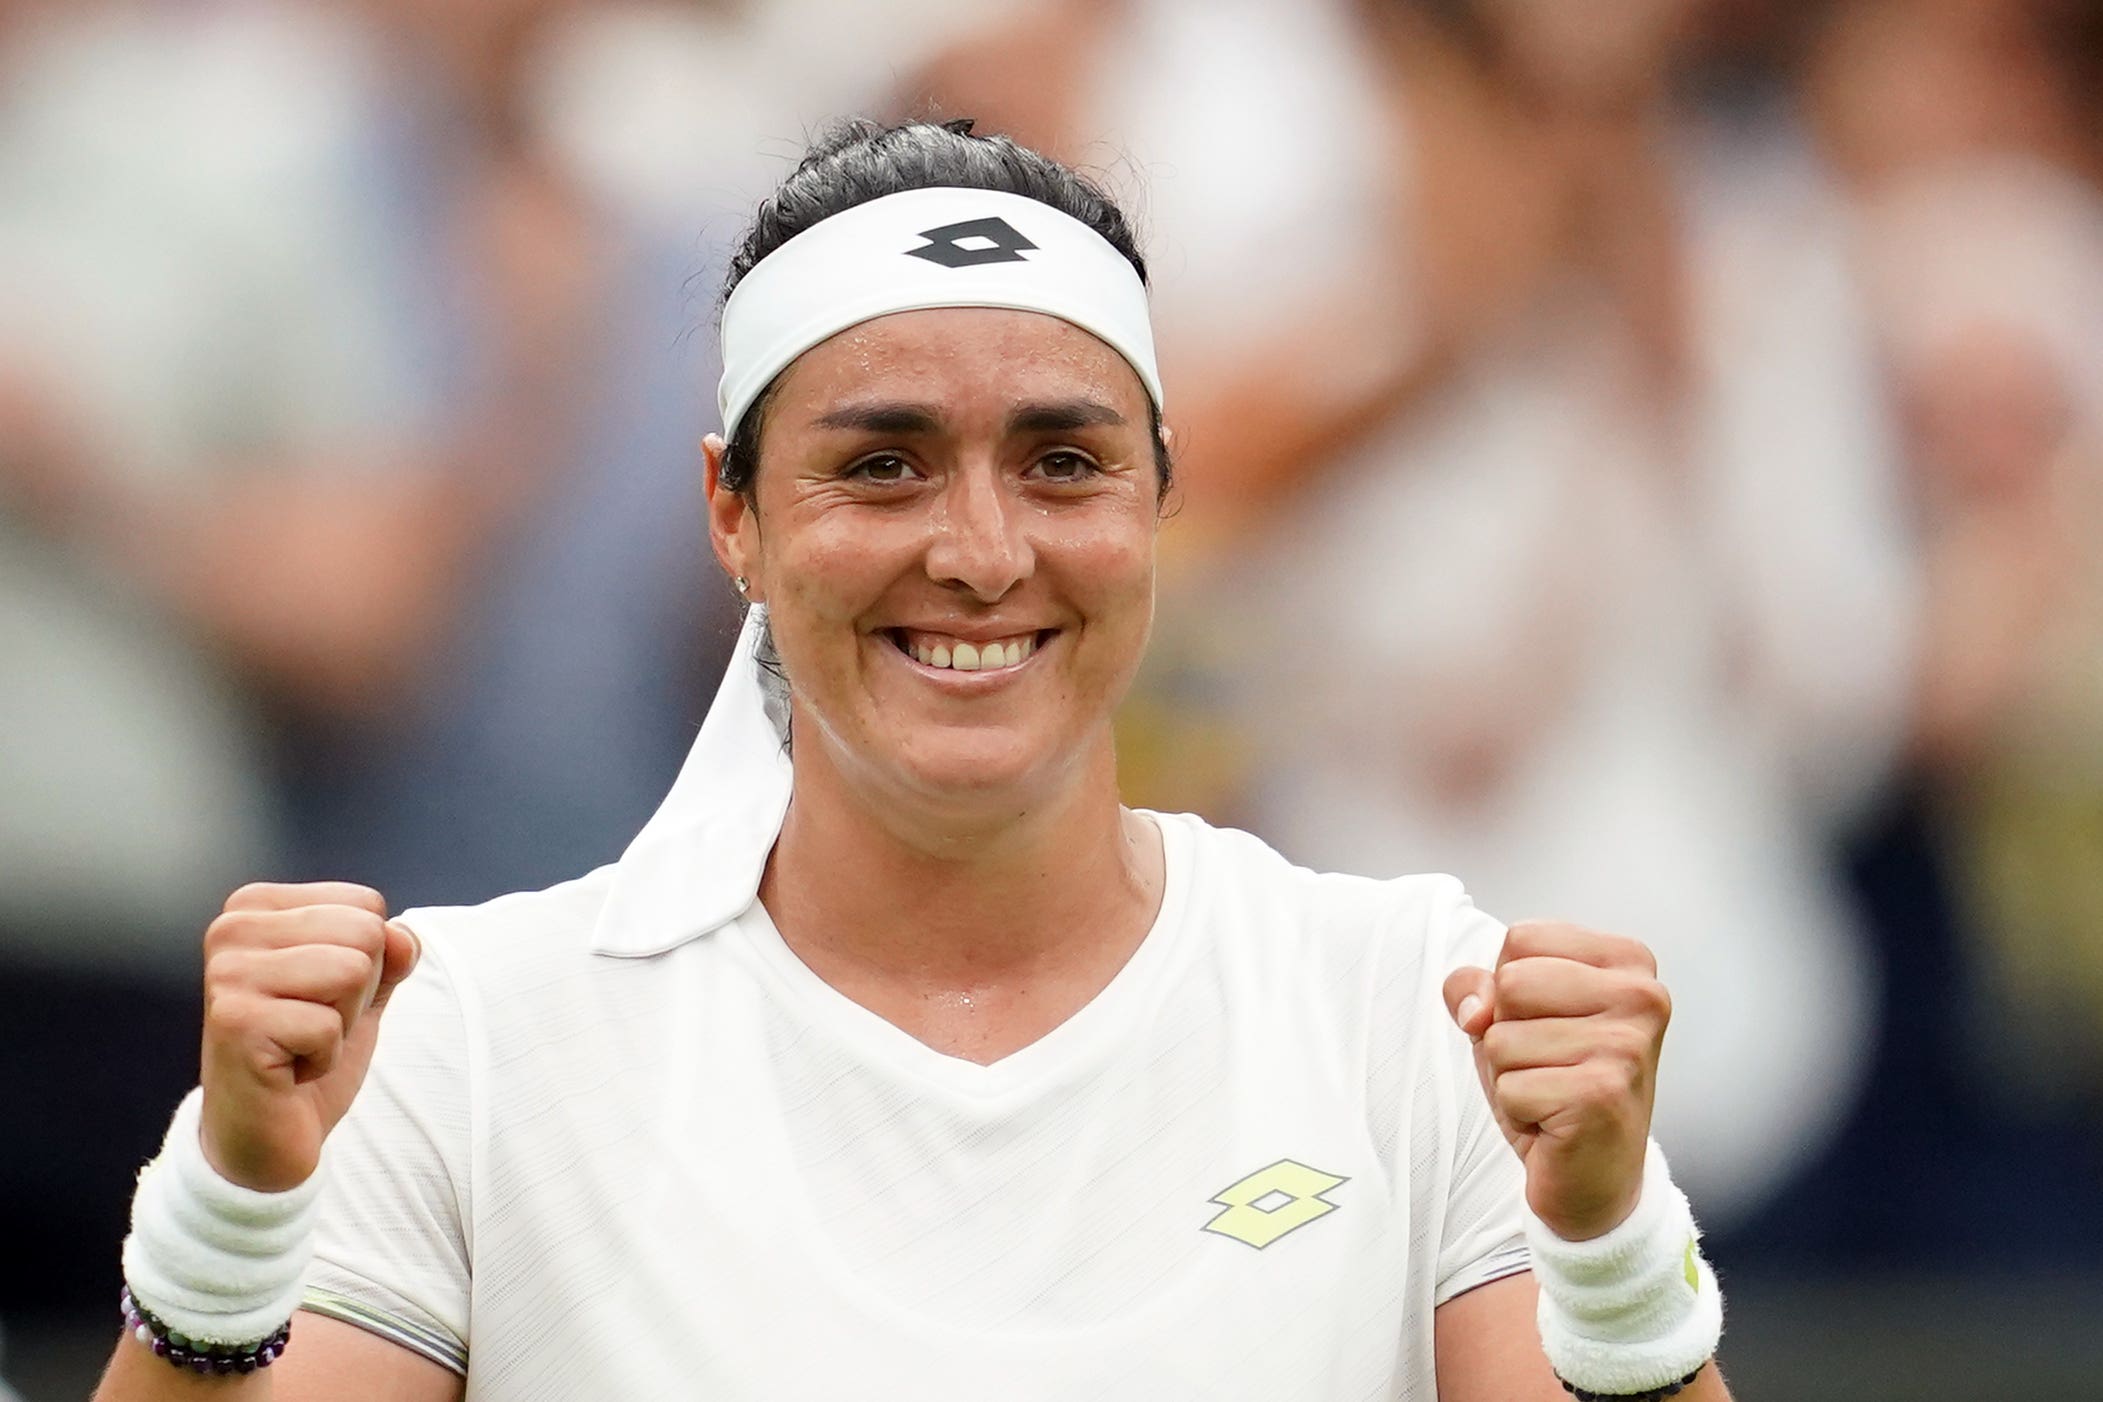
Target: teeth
{"x":973,"y":657}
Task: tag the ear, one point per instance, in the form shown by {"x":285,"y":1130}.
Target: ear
{"x":733,"y":526}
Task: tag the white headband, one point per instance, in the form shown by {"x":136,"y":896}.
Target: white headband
{"x":941,"y":247}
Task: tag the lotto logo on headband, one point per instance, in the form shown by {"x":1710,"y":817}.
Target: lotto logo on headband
{"x":971,"y":243}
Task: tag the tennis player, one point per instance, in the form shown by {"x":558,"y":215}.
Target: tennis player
{"x":895,"y":1059}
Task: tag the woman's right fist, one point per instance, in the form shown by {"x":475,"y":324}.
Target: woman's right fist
{"x":295,"y":979}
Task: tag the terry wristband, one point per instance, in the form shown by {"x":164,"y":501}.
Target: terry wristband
{"x":217,"y":1264}
{"x":1634,"y":1311}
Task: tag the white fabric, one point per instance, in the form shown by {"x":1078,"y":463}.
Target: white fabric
{"x":212,"y":1260}
{"x":867,"y":262}
{"x":698,"y":861}
{"x":1635,"y":1309}
{"x":706,"y":1173}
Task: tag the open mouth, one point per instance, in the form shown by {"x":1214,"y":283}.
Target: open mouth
{"x":946,"y":653}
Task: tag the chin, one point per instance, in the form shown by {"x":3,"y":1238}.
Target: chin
{"x":977,"y":765}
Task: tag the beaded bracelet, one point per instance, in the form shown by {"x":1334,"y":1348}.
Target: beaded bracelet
{"x":200,"y":1356}
{"x":1654,"y":1395}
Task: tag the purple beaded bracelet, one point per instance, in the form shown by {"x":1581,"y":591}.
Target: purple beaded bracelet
{"x":196,"y":1355}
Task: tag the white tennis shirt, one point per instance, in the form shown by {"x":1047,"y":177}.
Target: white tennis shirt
{"x":1251,"y":1168}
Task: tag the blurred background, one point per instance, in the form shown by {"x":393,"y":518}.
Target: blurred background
{"x":1644,"y":456}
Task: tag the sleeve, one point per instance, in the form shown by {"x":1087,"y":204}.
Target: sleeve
{"x":1483,"y":1235}
{"x":392,"y":1248}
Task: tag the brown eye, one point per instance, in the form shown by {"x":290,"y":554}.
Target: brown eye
{"x":882,"y":467}
{"x":1065,"y":466}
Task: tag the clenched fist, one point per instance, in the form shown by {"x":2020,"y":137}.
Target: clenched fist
{"x":295,"y":979}
{"x":1567,"y":1030}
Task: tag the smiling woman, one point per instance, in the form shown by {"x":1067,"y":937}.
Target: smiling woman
{"x":910,"y":1063}
{"x":973,"y":484}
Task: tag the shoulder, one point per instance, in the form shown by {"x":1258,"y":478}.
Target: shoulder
{"x":1247,"y":890}
{"x":521,"y":925}
{"x":506,"y":957}
{"x":534,"y":1008}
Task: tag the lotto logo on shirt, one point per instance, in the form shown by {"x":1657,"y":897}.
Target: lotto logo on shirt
{"x":1273,"y":1201}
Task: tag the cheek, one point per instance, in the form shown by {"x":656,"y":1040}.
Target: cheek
{"x":821,"y":579}
{"x":1109,"y":569}
{"x":835,"y":569}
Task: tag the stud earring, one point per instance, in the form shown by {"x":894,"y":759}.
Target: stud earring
{"x":744,"y":586}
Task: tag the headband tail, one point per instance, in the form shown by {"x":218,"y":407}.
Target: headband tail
{"x":696,"y":865}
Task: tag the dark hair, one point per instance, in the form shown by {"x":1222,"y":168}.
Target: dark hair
{"x":858,"y":161}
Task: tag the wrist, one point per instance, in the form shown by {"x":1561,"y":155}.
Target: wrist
{"x":1594,"y":1221}
{"x":250,"y":1172}
{"x":217,"y":1264}
{"x":1635,"y":1309}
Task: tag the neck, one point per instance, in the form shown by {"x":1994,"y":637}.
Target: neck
{"x":956,"y":898}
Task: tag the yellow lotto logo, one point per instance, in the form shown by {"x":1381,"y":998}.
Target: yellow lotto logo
{"x":1273,"y":1201}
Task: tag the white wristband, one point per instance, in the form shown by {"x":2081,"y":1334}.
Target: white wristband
{"x":1636,"y":1309}
{"x":214,"y":1261}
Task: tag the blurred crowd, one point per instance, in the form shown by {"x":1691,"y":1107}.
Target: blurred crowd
{"x":1642,"y":456}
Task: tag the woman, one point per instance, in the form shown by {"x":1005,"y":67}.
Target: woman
{"x":895,"y":1055}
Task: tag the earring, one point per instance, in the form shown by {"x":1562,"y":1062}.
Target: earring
{"x":743,"y":585}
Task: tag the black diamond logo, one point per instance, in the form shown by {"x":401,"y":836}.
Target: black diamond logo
{"x":971,"y":243}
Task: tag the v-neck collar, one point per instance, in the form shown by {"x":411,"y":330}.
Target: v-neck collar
{"x":1069,"y":1047}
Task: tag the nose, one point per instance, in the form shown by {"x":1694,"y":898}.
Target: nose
{"x":980,"y":543}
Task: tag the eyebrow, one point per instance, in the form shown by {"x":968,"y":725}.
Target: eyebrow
{"x":1062,"y":416}
{"x":1055,"y":416}
{"x":883,"y":418}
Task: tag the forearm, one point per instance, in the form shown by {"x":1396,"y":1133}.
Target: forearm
{"x":136,"y":1375}
{"x":326,"y":1359}
{"x":1488,"y":1349}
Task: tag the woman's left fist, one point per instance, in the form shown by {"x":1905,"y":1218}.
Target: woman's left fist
{"x":1567,"y":1029}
